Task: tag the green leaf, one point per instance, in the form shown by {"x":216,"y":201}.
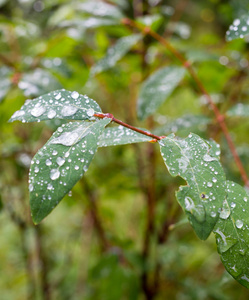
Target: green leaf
{"x":59,"y":104}
{"x":157,"y":88}
{"x":38,"y":82}
{"x":202,"y":198}
{"x":187,"y":121}
{"x":231,"y":232}
{"x":239,"y":110}
{"x":5,"y":82}
{"x":60,"y":163}
{"x":239,"y":28}
{"x":89,"y":23}
{"x":152,"y":21}
{"x":115,"y":53}
{"x":100,"y":9}
{"x":120,"y":136}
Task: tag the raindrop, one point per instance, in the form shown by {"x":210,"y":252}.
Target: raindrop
{"x":38,"y":111}
{"x":239,"y":224}
{"x":66,"y":139}
{"x":58,"y":96}
{"x":48,"y":162}
{"x":54,"y":174}
{"x":60,"y":161}
{"x":49,"y":187}
{"x":225,"y":211}
{"x":54,"y":152}
{"x":214,"y":179}
{"x":233,"y":205}
{"x":31,"y":187}
{"x":245,"y":199}
{"x":213,"y":214}
{"x":209,"y":184}
{"x":76,"y":167}
{"x":75,"y":95}
{"x":244,"y":28}
{"x":36,"y":170}
{"x":18,"y":113}
{"x":236,"y":22}
{"x":51,"y":114}
{"x":90,"y":112}
{"x":69,"y":110}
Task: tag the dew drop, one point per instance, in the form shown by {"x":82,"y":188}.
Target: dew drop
{"x":51,"y":114}
{"x":76,"y":167}
{"x":60,"y":161}
{"x":213,"y":214}
{"x":245,"y":199}
{"x":38,"y":111}
{"x":18,"y":113}
{"x":48,"y":162}
{"x":225,"y":211}
{"x":69,"y":110}
{"x":66,"y":139}
{"x":49,"y":187}
{"x":209,"y":184}
{"x":36,"y":170}
{"x":75,"y":95}
{"x":54,"y":174}
{"x":90,"y":112}
{"x":239,"y":224}
{"x":233,"y":205}
{"x":58,"y":96}
{"x":54,"y":152}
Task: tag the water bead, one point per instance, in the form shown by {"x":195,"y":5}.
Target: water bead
{"x":54,"y":174}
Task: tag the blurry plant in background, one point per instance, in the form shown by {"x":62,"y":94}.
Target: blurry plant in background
{"x":120,"y":233}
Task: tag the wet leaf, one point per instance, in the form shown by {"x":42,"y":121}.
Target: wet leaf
{"x":152,"y":21}
{"x":38,"y":82}
{"x":60,"y":163}
{"x":232,"y":233}
{"x":60,"y":104}
{"x":120,"y":136}
{"x":5,"y":82}
{"x":187,"y":121}
{"x":89,"y":23}
{"x":115,"y":53}
{"x":202,"y":198}
{"x":239,"y":110}
{"x":157,"y":88}
{"x":100,"y":9}
{"x":239,"y":28}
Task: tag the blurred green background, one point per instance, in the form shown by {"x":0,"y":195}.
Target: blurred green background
{"x":120,"y":234}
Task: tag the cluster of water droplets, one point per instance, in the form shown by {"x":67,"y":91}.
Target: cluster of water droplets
{"x":60,"y":104}
{"x":239,"y":28}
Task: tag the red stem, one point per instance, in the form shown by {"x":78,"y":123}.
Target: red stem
{"x":219,"y":117}
{"x":155,"y":137}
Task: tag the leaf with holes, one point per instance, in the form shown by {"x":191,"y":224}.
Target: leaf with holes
{"x":120,"y":136}
{"x":115,"y":53}
{"x":202,"y":198}
{"x":239,"y":28}
{"x":60,"y":104}
{"x":60,"y":163}
{"x":157,"y":88}
{"x":232,"y":233}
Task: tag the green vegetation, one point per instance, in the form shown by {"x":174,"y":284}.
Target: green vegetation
{"x":174,"y":77}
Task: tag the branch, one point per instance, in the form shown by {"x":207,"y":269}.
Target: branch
{"x":219,"y":117}
{"x":155,"y":137}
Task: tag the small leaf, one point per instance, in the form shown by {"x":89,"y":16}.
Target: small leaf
{"x":157,"y":88}
{"x":5,"y":82}
{"x":120,"y":136}
{"x":239,"y":110}
{"x":239,"y":28}
{"x":202,"y":198}
{"x":100,"y":9}
{"x":115,"y":53}
{"x":152,"y":21}
{"x":59,"y":104}
{"x":60,"y":163}
{"x":38,"y":82}
{"x":231,"y":232}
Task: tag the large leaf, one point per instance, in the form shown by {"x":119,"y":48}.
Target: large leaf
{"x":115,"y":53}
{"x":183,"y":123}
{"x":38,"y":82}
{"x":100,"y":9}
{"x":202,"y":198}
{"x":239,"y":110}
{"x":232,"y":233}
{"x":239,"y":28}
{"x":157,"y":88}
{"x":120,"y":136}
{"x":60,"y":163}
{"x":59,"y":104}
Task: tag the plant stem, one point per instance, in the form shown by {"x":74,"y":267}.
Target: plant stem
{"x":155,"y":137}
{"x":219,"y":117}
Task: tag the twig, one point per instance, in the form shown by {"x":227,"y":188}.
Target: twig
{"x":219,"y":117}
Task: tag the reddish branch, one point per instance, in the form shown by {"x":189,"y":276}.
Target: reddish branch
{"x":155,"y":137}
{"x":219,"y":117}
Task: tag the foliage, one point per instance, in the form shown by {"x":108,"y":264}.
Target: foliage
{"x":119,"y":232}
